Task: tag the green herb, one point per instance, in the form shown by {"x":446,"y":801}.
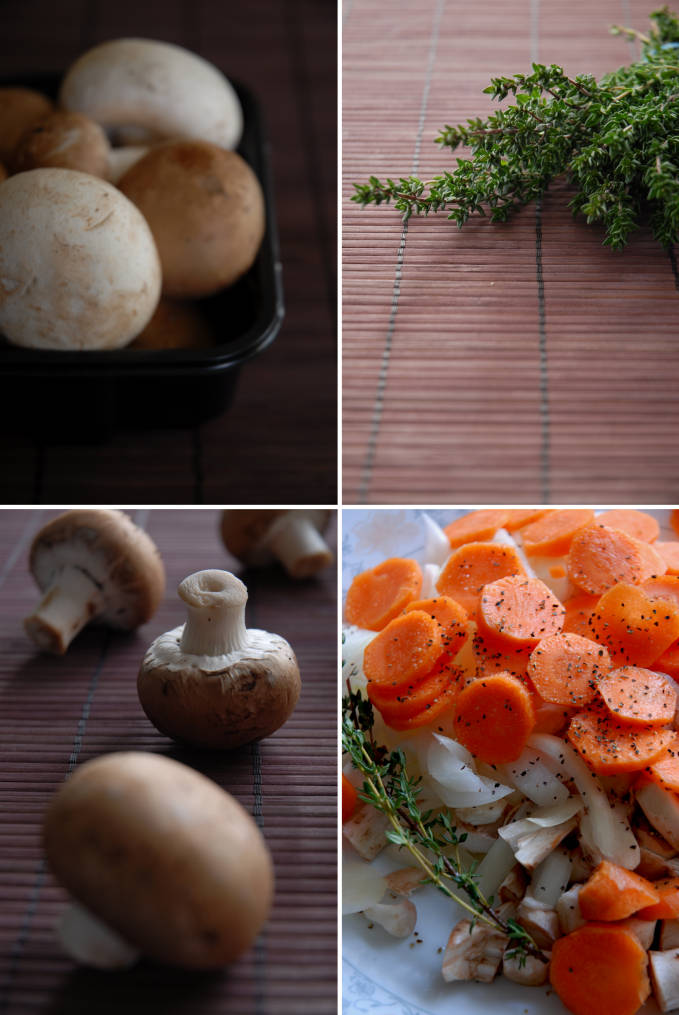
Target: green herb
{"x":617,"y":141}
{"x":428,"y":836}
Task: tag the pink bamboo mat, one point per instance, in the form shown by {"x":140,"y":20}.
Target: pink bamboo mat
{"x":520,"y":362}
{"x":57,"y":712}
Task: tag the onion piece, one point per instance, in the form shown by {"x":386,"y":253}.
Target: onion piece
{"x":533,"y":838}
{"x":494,"y":868}
{"x":354,"y":641}
{"x":362,"y":885}
{"x":430,"y":575}
{"x":504,"y":538}
{"x":483,"y":814}
{"x":551,"y":877}
{"x":533,"y":778}
{"x":436,"y":542}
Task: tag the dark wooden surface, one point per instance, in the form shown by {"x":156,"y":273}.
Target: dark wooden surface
{"x":277,"y":442}
{"x":57,"y":712}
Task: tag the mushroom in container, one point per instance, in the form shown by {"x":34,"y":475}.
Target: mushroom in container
{"x":212,"y":682}
{"x":92,"y":565}
{"x":293,"y":537}
{"x":161,"y":861}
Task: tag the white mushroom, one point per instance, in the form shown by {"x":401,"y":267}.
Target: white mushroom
{"x":405,"y":881}
{"x":66,"y":141}
{"x":365,"y":831}
{"x":293,"y":537}
{"x":540,"y":920}
{"x":123,"y":158}
{"x":528,"y":970}
{"x":661,"y":807}
{"x":669,"y":934}
{"x":397,"y":918}
{"x":212,"y":682}
{"x":92,"y":565}
{"x":643,"y":929}
{"x":473,"y":952}
{"x":664,"y":970}
{"x":162,"y":88}
{"x":568,"y":910}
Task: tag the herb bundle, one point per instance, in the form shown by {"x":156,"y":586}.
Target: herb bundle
{"x":617,"y":141}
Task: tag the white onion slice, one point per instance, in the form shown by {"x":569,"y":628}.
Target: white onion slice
{"x":459,"y":798}
{"x":354,"y":641}
{"x":362,"y":885}
{"x":451,"y":768}
{"x":430,"y":575}
{"x":494,"y":867}
{"x":483,"y":814}
{"x":436,"y":542}
{"x":561,"y":587}
{"x":551,"y":877}
{"x":533,"y":778}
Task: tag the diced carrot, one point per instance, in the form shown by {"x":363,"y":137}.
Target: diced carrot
{"x":520,"y":610}
{"x":476,"y":526}
{"x":670,"y":554}
{"x":664,"y":586}
{"x":494,"y":717}
{"x":635,"y":523}
{"x":600,"y":969}
{"x":552,"y":535}
{"x":377,"y":596}
{"x":427,"y":702}
{"x":668,"y":906}
{"x":567,"y":668}
{"x":451,"y":617}
{"x":557,"y":571}
{"x":407,"y":649}
{"x":349,"y":799}
{"x":496,"y":655}
{"x":579,"y":609}
{"x":674,"y":520}
{"x":471,"y":567}
{"x":639,"y":696}
{"x":601,"y":557}
{"x":665,"y":769}
{"x":614,"y":893}
{"x":635,"y":630}
{"x":610,"y":747}
{"x":518,"y":517}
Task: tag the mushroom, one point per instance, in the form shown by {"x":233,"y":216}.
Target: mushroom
{"x":366,"y":831}
{"x":294,"y":537}
{"x":92,"y":565}
{"x":541,"y":921}
{"x":3,"y":173}
{"x":19,"y":109}
{"x":397,"y":918}
{"x":661,"y":807}
{"x":176,"y":324}
{"x":78,"y":265}
{"x":123,"y":158}
{"x":664,"y":970}
{"x":163,"y":89}
{"x":212,"y":682}
{"x":66,"y":141}
{"x":172,"y":866}
{"x":528,"y":970}
{"x":206,"y":211}
{"x":473,"y":952}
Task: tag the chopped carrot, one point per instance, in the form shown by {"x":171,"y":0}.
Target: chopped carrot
{"x":668,"y":906}
{"x":551,"y":718}
{"x":520,"y":610}
{"x":377,"y":596}
{"x":653,"y":563}
{"x":407,"y":649}
{"x":664,"y":586}
{"x":634,"y":629}
{"x":674,"y":520}
{"x":668,"y":662}
{"x":494,"y":717}
{"x":610,"y":747}
{"x":349,"y":799}
{"x":614,"y":893}
{"x":639,"y":696}
{"x":635,"y":523}
{"x":670,"y":555}
{"x":557,"y":571}
{"x":567,"y":668}
{"x":552,"y":535}
{"x":495,"y":655}
{"x":519,"y":517}
{"x":425,"y":703}
{"x":601,"y":557}
{"x":600,"y":969}
{"x":451,"y":617}
{"x":471,"y":567}
{"x":579,"y":609}
{"x":665,"y":769}
{"x":476,"y":526}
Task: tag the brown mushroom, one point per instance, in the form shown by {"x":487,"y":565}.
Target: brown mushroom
{"x":176,"y":324}
{"x":294,"y":537}
{"x":63,"y":140}
{"x":92,"y":565}
{"x":19,"y":109}
{"x":212,"y":682}
{"x":3,"y":172}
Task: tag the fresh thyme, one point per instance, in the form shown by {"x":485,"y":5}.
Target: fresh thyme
{"x":616,"y":140}
{"x":428,"y":836}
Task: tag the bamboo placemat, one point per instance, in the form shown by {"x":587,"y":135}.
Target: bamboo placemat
{"x":520,"y":362}
{"x":56,"y":713}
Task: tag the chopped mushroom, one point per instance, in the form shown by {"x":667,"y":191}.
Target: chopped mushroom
{"x":653,"y":866}
{"x":644,"y":930}
{"x":293,"y":537}
{"x":669,"y":934}
{"x":527,"y":970}
{"x":473,"y":952}
{"x":541,"y":921}
{"x":568,"y":910}
{"x":513,"y":888}
{"x":398,"y":918}
{"x":405,"y":881}
{"x":664,"y":970}
{"x":365,"y":831}
{"x":661,"y":807}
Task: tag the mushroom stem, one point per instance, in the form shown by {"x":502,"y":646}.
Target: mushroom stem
{"x":92,"y":942}
{"x":215,"y":623}
{"x":70,"y":602}
{"x":295,"y":540}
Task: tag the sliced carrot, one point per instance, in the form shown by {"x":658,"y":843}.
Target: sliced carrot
{"x":407,"y":649}
{"x":600,"y":557}
{"x":634,"y":629}
{"x":476,"y":526}
{"x":610,"y":747}
{"x":614,"y":893}
{"x":496,"y":655}
{"x":494,"y":717}
{"x":668,"y":906}
{"x":451,"y":617}
{"x":550,"y":718}
{"x":518,"y":517}
{"x":471,"y":567}
{"x":579,"y":609}
{"x":600,"y":969}
{"x":377,"y":596}
{"x":662,"y":587}
{"x":349,"y":799}
{"x":665,"y":769}
{"x":674,"y":520}
{"x":552,"y":535}
{"x":428,"y":701}
{"x":668,"y":662}
{"x":635,"y":523}
{"x":520,"y":610}
{"x":567,"y":668}
{"x":670,"y":555}
{"x":639,"y":696}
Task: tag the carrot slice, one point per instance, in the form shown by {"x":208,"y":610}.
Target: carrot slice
{"x":614,"y":893}
{"x":518,"y":517}
{"x":634,"y":629}
{"x":567,"y":668}
{"x":551,"y":718}
{"x":349,"y":799}
{"x":635,"y":523}
{"x":668,"y":662}
{"x":407,"y":649}
{"x":600,"y":969}
{"x":665,"y":769}
{"x":520,"y":610}
{"x":476,"y":526}
{"x":601,"y":557}
{"x":670,"y":555}
{"x":610,"y":747}
{"x":494,"y":717}
{"x":674,"y":520}
{"x":552,"y":535}
{"x":579,"y":609}
{"x":450,"y":616}
{"x":664,"y":586}
{"x":427,"y":701}
{"x":668,"y":906}
{"x":377,"y":596}
{"x":639,"y":696}
{"x":495,"y":655}
{"x":471,"y":567}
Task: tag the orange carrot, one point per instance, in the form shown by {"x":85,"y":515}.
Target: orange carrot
{"x":668,"y":662}
{"x":670,"y":555}
{"x":610,"y":747}
{"x":668,"y":906}
{"x":634,"y":629}
{"x":349,"y":799}
{"x":674,"y":520}
{"x":614,"y":893}
{"x":494,"y":717}
{"x":639,"y":696}
{"x":635,"y":523}
{"x":566,"y":668}
{"x":600,"y":969}
{"x":407,"y":649}
{"x":471,"y":567}
{"x":665,"y":769}
{"x":579,"y":609}
{"x":495,"y":655}
{"x":550,"y":718}
{"x":377,"y":596}
{"x":451,"y":617}
{"x":662,"y":587}
{"x":520,"y":610}
{"x":519,"y":517}
{"x":476,"y":526}
{"x":601,"y":557}
{"x":425,"y":703}
{"x":551,"y":535}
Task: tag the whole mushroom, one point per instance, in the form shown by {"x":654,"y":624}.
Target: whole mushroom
{"x":19,"y":109}
{"x":66,"y":141}
{"x":164,"y":862}
{"x":92,"y":565}
{"x":213,"y":683}
{"x":292,"y":536}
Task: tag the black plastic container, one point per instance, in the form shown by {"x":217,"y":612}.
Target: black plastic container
{"x":86,"y":396}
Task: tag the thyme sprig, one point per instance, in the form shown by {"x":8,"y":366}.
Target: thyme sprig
{"x":616,"y":140}
{"x":430,"y":837}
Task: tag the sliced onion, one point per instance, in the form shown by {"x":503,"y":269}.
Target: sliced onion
{"x":362,"y":885}
{"x":543,"y":566}
{"x":494,"y":868}
{"x":483,"y":814}
{"x":505,"y":538}
{"x":354,"y":641}
{"x":436,"y":543}
{"x":533,"y":778}
{"x":551,"y":877}
{"x":430,"y":575}
{"x":451,"y":767}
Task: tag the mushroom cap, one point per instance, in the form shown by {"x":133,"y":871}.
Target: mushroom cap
{"x":63,"y":140}
{"x":3,"y":172}
{"x":78,"y":265}
{"x":244,"y":530}
{"x":205,"y":208}
{"x":162,"y":855}
{"x":164,"y":88}
{"x":176,"y":324}
{"x":19,"y":109}
{"x":116,"y":554}
{"x":219,"y":702}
